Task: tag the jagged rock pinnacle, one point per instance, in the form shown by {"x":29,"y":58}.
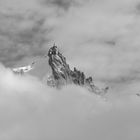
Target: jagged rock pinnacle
{"x":63,"y":75}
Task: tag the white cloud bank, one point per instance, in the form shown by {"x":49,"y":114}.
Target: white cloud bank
{"x":30,"y":110}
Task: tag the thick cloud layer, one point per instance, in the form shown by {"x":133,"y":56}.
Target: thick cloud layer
{"x":32,"y":111}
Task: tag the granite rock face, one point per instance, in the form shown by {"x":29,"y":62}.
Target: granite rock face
{"x":62,"y":74}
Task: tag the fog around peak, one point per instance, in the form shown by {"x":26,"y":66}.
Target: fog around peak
{"x":31,"y":110}
{"x":100,"y":38}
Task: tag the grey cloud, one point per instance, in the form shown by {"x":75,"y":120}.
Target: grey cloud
{"x":137,"y":9}
{"x":61,"y":4}
{"x":102,"y":37}
{"x":22,"y":37}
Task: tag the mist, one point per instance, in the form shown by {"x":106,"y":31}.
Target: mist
{"x":100,"y":38}
{"x":31,"y":110}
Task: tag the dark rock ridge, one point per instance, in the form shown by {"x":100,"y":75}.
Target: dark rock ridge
{"x":63,"y":75}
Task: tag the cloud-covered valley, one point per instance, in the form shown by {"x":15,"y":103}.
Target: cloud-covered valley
{"x":31,"y":111}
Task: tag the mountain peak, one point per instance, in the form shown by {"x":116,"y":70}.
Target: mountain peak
{"x":63,"y":75}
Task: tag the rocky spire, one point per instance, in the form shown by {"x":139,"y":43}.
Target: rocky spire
{"x":63,"y":75}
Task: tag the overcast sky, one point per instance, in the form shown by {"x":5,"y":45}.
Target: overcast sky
{"x":99,"y":37}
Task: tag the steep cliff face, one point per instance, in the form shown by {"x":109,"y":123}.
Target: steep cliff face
{"x":63,"y":75}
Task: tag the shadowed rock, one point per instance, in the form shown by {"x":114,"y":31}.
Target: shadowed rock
{"x":63,"y":75}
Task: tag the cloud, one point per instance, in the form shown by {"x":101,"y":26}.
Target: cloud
{"x":64,"y":4}
{"x":106,"y":44}
{"x":21,"y":37}
{"x":30,"y":110}
{"x":100,"y":38}
{"x":18,"y":5}
{"x":103,"y":39}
